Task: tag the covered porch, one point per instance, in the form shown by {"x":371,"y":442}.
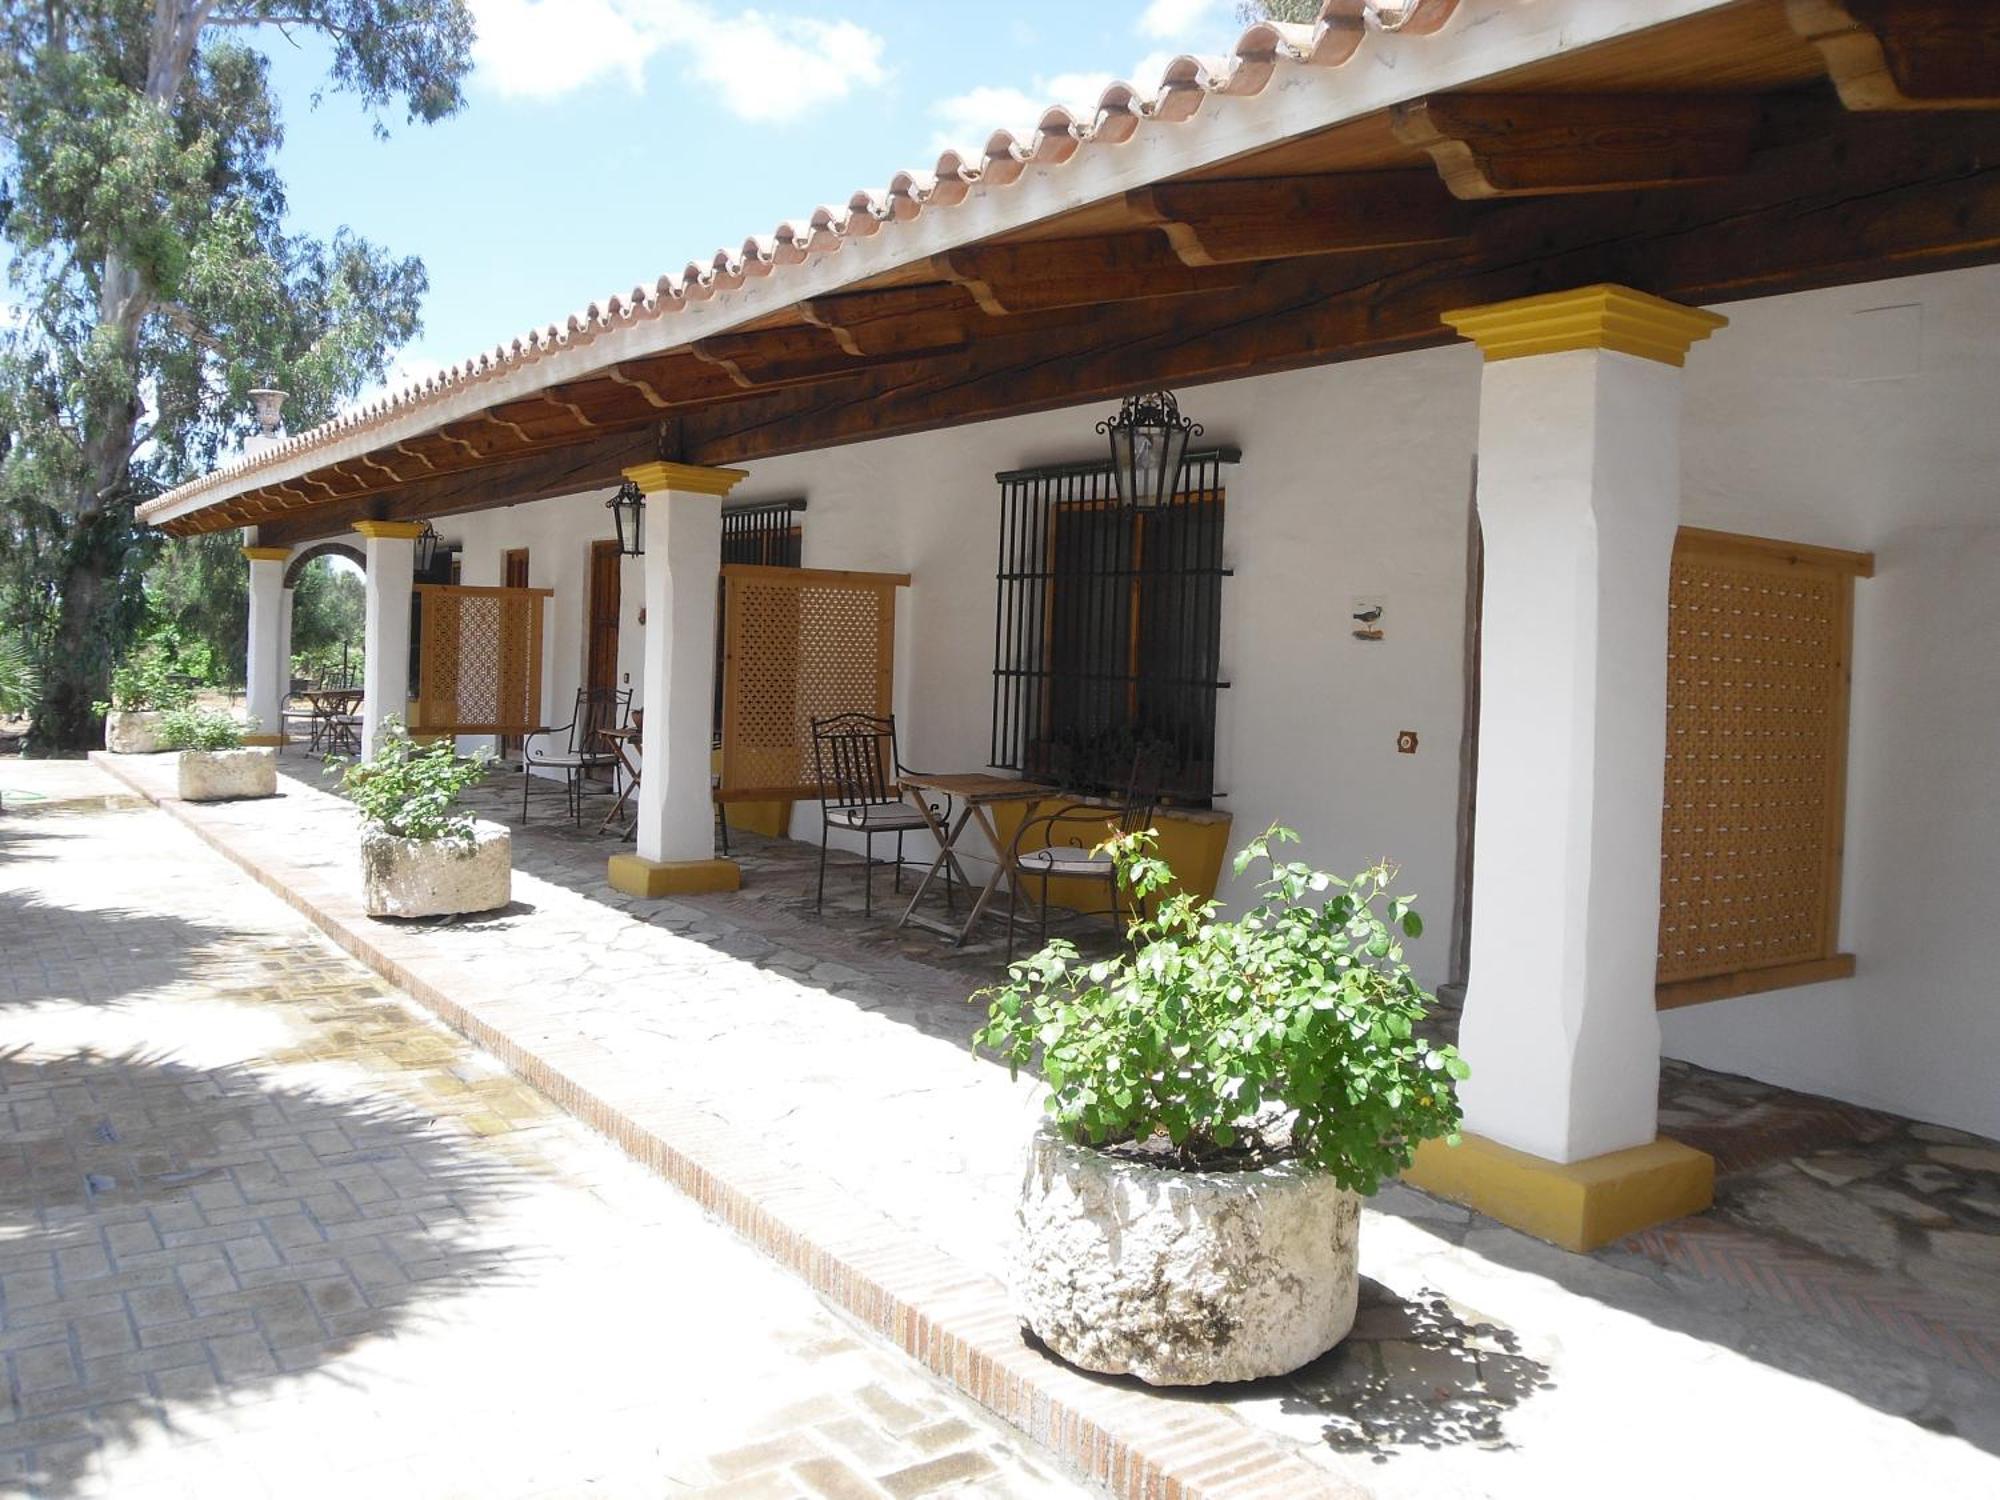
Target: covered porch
{"x":1761,"y":323}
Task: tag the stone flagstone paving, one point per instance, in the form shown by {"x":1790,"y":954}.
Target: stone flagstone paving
{"x":1484,"y":1363}
{"x":268,"y":1230}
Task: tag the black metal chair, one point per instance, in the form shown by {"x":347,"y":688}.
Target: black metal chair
{"x":1067,"y":847}
{"x":583,"y":749}
{"x":859,"y":775}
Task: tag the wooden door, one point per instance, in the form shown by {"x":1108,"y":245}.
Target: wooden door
{"x":513,"y":575}
{"x":601,"y":661}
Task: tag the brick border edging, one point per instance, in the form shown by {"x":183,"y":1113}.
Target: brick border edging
{"x":950,"y":1318}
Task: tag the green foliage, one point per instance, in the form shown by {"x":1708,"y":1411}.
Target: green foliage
{"x":1299,"y":1015}
{"x":18,"y":680}
{"x":156,"y":282}
{"x":411,"y":791}
{"x":328,"y":604}
{"x":149,"y":678}
{"x":197,"y":598}
{"x":191,"y":727}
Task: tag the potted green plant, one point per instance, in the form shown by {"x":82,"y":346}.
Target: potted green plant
{"x":143,"y":690}
{"x":421,"y":855}
{"x":1220,"y":1097}
{"x":215,"y":764}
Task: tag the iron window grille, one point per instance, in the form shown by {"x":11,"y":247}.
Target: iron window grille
{"x":1108,"y":629}
{"x":765,"y":536}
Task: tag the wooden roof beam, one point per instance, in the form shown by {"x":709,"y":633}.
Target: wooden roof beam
{"x":589,"y":464}
{"x":1229,"y":221}
{"x":895,"y":320}
{"x":1041,"y":275}
{"x":794,"y":356}
{"x":1856,"y":199}
{"x":1520,"y":145}
{"x":1906,"y":54}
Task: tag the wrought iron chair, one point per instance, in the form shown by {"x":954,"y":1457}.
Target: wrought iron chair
{"x":583,"y":749}
{"x":859,"y":775}
{"x":1067,"y":844}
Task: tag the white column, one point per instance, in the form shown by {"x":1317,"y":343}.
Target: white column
{"x":1579,"y":499}
{"x":683,"y":558}
{"x":265,"y":661}
{"x":392,"y":571}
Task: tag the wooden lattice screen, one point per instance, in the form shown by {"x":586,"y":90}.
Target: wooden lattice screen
{"x":1758,"y":644}
{"x":479,"y":659}
{"x":803,"y":643}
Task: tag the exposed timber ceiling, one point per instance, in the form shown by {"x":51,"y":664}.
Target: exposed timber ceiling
{"x":1752,"y":148}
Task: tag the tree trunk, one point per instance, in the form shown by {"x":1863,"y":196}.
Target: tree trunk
{"x":91,"y":624}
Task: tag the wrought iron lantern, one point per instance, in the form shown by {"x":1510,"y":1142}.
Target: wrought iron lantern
{"x":1149,"y":444}
{"x":426,"y":550}
{"x":628,"y":513}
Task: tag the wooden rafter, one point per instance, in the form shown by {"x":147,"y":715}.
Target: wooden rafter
{"x":1228,"y":221}
{"x":1906,"y":54}
{"x":1043,"y":275}
{"x":1512,"y":145}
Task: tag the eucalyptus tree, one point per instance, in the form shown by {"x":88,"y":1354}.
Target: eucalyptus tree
{"x":153,"y":280}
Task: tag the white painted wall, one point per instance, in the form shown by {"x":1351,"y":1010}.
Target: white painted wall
{"x":1820,"y":418}
{"x":1869,"y":417}
{"x":558,"y":535}
{"x":1355,"y":480}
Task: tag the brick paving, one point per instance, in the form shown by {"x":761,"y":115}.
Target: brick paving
{"x":266,"y":1228}
{"x":808,"y":1079}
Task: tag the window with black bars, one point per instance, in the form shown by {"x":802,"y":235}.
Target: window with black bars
{"x":1108,"y":629}
{"x":765,"y":536}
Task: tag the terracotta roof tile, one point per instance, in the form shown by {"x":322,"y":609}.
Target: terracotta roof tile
{"x":1261,"y":53}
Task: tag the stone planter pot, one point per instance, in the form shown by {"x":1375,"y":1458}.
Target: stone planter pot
{"x":225,"y":775}
{"x":437,"y":877}
{"x":1182,"y":1278}
{"x":133,"y":731}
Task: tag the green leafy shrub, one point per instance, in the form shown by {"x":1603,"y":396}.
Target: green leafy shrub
{"x":411,"y":791}
{"x":147,"y":679}
{"x":1289,"y":1032}
{"x":19,"y":682}
{"x":189,"y":727}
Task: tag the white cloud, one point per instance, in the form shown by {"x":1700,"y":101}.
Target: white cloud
{"x":766,"y":67}
{"x":1171,"y":19}
{"x":777,"y":68}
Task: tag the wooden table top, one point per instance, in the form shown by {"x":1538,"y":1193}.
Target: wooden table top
{"x":975,"y":786}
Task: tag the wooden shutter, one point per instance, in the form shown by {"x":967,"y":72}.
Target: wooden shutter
{"x":481,"y":656}
{"x":1759,"y":638}
{"x":804,"y":643}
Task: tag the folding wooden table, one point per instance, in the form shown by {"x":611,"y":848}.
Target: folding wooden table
{"x":975,"y":792}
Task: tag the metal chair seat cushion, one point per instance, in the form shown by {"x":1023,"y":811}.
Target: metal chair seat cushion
{"x":1062,"y":859}
{"x":877,"y":815}
{"x":564,"y":759}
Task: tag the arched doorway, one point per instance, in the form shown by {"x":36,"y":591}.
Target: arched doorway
{"x":324,"y":612}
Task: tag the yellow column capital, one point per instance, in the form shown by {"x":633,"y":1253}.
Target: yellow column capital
{"x":400,"y":531}
{"x":693,"y":479}
{"x":1588,"y":317}
{"x":268,"y":554}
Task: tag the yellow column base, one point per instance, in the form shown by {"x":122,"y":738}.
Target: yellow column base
{"x":263,"y":739}
{"x":675,"y":877}
{"x":1579,"y":1205}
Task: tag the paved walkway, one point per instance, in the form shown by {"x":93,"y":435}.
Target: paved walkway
{"x":1484,"y":1363}
{"x":266,"y":1228}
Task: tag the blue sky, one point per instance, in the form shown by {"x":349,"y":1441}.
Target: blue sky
{"x":607,"y":141}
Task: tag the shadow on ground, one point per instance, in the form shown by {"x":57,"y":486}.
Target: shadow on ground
{"x":1415,"y":1375}
{"x":176,"y":1237}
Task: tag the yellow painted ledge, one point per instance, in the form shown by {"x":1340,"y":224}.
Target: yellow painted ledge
{"x":676,"y":877}
{"x":1578,"y":1205}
